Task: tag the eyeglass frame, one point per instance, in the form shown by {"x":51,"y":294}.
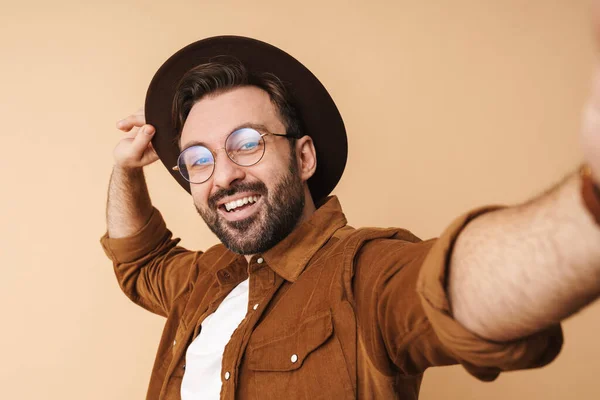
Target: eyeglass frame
{"x":214,"y":152}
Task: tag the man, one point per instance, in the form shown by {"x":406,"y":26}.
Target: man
{"x":294,"y":303}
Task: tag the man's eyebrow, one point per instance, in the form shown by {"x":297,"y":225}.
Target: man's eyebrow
{"x":193,"y":143}
{"x":259,"y":127}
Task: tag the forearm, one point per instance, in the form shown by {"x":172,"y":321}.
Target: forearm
{"x":128,"y":207}
{"x":519,"y":270}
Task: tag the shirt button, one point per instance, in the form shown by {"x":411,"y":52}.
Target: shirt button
{"x":174,"y":342}
{"x":227,"y":375}
{"x":260,"y":260}
{"x":294,"y":358}
{"x":255,"y":306}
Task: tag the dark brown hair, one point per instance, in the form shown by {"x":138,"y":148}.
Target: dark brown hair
{"x":225,"y":73}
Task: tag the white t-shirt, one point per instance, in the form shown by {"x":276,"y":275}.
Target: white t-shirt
{"x":203,"y":359}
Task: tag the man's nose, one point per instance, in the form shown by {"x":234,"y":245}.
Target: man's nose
{"x":226,"y":171}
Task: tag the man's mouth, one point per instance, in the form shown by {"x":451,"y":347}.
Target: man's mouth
{"x":240,"y":204}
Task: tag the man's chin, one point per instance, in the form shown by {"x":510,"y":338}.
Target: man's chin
{"x":241,"y":226}
{"x":241,"y":235}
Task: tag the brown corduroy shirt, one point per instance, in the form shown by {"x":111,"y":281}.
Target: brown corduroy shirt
{"x":334,"y":312}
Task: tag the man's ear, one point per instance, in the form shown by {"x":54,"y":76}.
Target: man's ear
{"x":306,"y":156}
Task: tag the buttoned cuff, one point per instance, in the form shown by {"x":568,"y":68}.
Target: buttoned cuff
{"x":136,"y":246}
{"x":481,"y":357}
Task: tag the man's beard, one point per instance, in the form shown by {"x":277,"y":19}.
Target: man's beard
{"x":277,"y":218}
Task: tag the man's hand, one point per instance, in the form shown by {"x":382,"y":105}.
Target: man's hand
{"x":590,"y":132}
{"x":135,"y":150}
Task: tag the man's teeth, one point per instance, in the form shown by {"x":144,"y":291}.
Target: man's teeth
{"x":232,"y":205}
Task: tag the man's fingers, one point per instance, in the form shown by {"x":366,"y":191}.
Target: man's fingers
{"x":126,"y":124}
{"x":149,"y":156}
{"x":142,"y":139}
{"x":135,"y":149}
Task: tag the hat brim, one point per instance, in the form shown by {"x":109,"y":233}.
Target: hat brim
{"x":317,"y":110}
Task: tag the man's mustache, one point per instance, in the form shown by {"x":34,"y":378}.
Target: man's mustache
{"x":256,"y":187}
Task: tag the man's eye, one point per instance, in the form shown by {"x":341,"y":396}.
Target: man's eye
{"x":203,"y":161}
{"x":248,"y":146}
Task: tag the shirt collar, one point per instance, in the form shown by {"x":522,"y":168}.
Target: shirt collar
{"x":290,"y":257}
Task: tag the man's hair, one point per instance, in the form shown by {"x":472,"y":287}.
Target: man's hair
{"x":223,"y":74}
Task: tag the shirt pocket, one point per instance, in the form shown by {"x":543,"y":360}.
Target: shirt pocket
{"x":305,"y":362}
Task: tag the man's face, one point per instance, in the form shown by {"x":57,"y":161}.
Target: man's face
{"x":272,"y":189}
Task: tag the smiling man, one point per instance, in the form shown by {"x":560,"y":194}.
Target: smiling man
{"x":294,"y":303}
{"x":249,"y":209}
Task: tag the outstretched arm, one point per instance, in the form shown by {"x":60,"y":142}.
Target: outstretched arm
{"x":519,"y":270}
{"x":516,"y":271}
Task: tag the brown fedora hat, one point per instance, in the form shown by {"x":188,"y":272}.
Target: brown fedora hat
{"x":321,"y":119}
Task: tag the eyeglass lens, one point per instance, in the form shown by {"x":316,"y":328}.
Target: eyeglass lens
{"x":244,"y":147}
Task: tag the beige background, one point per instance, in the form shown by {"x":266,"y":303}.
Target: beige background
{"x":448,"y":105}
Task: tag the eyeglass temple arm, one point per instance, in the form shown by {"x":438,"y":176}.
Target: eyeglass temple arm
{"x":277,"y":134}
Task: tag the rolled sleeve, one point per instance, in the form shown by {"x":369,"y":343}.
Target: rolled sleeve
{"x":134,"y":247}
{"x":152,"y":270}
{"x":482,"y":358}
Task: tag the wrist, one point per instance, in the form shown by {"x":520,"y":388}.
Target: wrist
{"x":132,"y":176}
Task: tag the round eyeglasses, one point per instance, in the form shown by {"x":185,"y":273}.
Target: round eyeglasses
{"x":245,"y":147}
